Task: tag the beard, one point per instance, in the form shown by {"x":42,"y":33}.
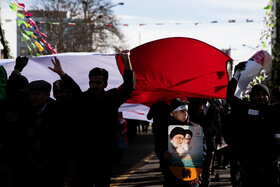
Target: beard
{"x":178,"y":147}
{"x":186,"y":147}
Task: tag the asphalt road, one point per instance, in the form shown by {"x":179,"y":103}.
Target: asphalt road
{"x":140,"y":166}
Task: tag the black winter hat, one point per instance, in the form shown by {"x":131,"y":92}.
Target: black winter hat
{"x":40,"y":85}
{"x":177,"y":130}
{"x":259,"y":87}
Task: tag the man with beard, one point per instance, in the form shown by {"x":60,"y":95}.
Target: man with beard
{"x":187,"y":140}
{"x":177,"y":136}
{"x":252,"y":136}
{"x":96,"y":122}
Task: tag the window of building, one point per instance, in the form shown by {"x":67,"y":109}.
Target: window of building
{"x":22,"y":39}
{"x":22,"y":51}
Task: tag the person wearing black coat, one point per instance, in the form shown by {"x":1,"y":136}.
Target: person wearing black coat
{"x":35,"y":141}
{"x":96,"y":122}
{"x":252,"y":137}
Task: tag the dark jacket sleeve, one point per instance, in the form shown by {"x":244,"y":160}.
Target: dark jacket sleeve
{"x":73,"y":87}
{"x":230,"y":98}
{"x":16,"y":85}
{"x":230,"y":90}
{"x":128,"y":85}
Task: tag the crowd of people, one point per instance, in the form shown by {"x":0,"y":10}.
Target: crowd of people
{"x":242,"y":134}
{"x":72,"y":138}
{"x":69,"y":139}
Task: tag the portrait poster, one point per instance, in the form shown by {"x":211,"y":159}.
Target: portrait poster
{"x":185,"y":144}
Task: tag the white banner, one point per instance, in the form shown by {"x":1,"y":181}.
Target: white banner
{"x":78,"y":65}
{"x":254,"y":65}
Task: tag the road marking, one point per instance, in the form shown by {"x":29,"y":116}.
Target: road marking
{"x":132,"y":170}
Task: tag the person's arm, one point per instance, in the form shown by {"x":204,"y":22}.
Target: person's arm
{"x":57,"y":68}
{"x":125,"y":56}
{"x":16,"y":81}
{"x":129,"y":78}
{"x":73,"y":87}
{"x":232,"y":84}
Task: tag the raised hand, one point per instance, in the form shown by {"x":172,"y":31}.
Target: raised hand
{"x":126,"y":59}
{"x":57,"y":68}
{"x":21,"y":62}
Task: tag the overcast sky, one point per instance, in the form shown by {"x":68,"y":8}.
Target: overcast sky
{"x":181,"y":18}
{"x":192,"y":18}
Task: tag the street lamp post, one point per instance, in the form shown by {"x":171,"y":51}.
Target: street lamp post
{"x":250,"y":47}
{"x":121,"y":3}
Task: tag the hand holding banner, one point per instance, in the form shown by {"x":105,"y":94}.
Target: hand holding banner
{"x":253,"y":67}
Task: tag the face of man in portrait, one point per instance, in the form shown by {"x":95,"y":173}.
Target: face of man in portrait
{"x":177,"y":140}
{"x":187,"y":142}
{"x":188,"y":139}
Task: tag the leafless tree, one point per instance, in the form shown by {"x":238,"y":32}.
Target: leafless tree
{"x":79,"y":25}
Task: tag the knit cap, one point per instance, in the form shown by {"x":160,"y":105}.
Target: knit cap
{"x":259,"y":87}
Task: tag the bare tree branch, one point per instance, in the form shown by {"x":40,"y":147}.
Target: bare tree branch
{"x":80,"y":25}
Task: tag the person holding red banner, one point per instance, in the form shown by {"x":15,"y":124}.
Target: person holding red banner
{"x":96,"y":116}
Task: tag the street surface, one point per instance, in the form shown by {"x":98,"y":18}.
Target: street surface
{"x":140,"y":166}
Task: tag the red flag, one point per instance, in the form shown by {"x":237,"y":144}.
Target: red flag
{"x":177,"y":67}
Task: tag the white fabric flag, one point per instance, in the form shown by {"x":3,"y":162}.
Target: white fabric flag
{"x":78,"y":65}
{"x":253,"y":67}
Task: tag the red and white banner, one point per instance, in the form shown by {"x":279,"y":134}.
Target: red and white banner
{"x":254,"y":65}
{"x":78,"y":65}
{"x":164,"y":69}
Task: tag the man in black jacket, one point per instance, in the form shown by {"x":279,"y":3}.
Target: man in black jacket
{"x":35,"y":142}
{"x":252,"y":136}
{"x":96,"y":122}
